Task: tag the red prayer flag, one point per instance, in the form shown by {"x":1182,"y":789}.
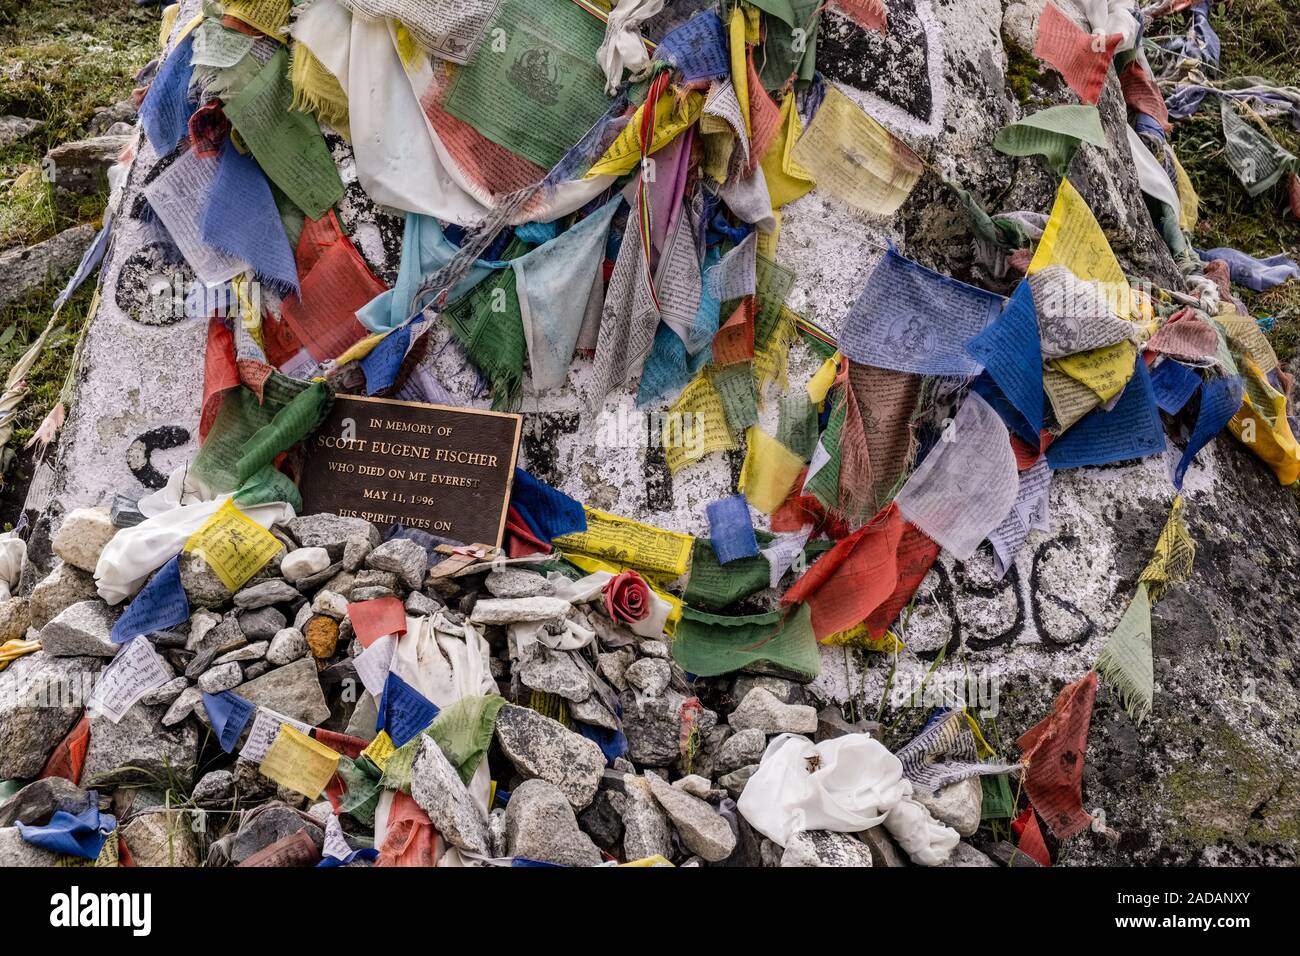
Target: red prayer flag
{"x":854,"y":578}
{"x":372,"y":620}
{"x":1082,"y":58}
{"x":734,"y":342}
{"x":219,"y":372}
{"x":70,"y":755}
{"x":1031,"y":838}
{"x":1054,"y":749}
{"x":868,"y":14}
{"x":1142,"y":94}
{"x":335,"y":283}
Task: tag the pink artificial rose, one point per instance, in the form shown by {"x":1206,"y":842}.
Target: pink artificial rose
{"x":627,"y":597}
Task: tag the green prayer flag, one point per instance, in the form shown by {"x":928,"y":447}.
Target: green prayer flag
{"x":288,"y":145}
{"x":487,"y":323}
{"x":772,"y":283}
{"x":824,"y":484}
{"x":998,"y":803}
{"x":1054,"y":133}
{"x":1125,"y":662}
{"x":708,"y":644}
{"x":797,"y":426}
{"x":544,"y":91}
{"x":241,"y":416}
{"x":1255,"y":157}
{"x":291,"y":424}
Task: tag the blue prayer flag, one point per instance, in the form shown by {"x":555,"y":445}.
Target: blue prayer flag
{"x":731,"y":529}
{"x":229,"y":715}
{"x":1131,"y":430}
{"x":160,"y":604}
{"x":1220,"y":400}
{"x":403,"y":711}
{"x":1012,"y":355}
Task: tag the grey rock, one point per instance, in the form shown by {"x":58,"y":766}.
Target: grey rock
{"x":330,"y":604}
{"x":421,"y":605}
{"x":35,"y":803}
{"x":601,"y":821}
{"x":331,"y":532}
{"x":82,"y":536}
{"x":824,"y":848}
{"x":698,"y":786}
{"x":831,"y":724}
{"x":200,"y":663}
{"x":355,"y":552}
{"x":15,"y":619}
{"x":82,"y":166}
{"x":555,"y":672}
{"x":613,"y":667}
{"x":703,"y":831}
{"x":761,"y":710}
{"x":371,"y":578}
{"x":266,"y":825}
{"x":512,"y":610}
{"x":286,"y":647}
{"x":41,"y":697}
{"x":182,"y":706}
{"x":304,"y":563}
{"x":63,"y":587}
{"x":884,"y":851}
{"x":654,"y":649}
{"x":736,"y":780}
{"x":593,"y":711}
{"x":541,"y":747}
{"x":958,"y":805}
{"x":517,"y":583}
{"x":81,"y":630}
{"x":244,"y":655}
{"x":264,"y":593}
{"x":14,"y":128}
{"x":403,"y":557}
{"x":540,"y":825}
{"x":15,"y":851}
{"x":963,"y":854}
{"x":122,"y":113}
{"x":334,"y":578}
{"x":256,"y":669}
{"x":293,"y":690}
{"x":29,"y":268}
{"x":201,"y":624}
{"x":138,"y":748}
{"x":653,"y":727}
{"x":370,"y":593}
{"x":165,"y":693}
{"x":646,"y":830}
{"x":770,"y":853}
{"x":786,"y":691}
{"x":162,"y":838}
{"x":202,"y":586}
{"x":741,"y":749}
{"x":261,"y":624}
{"x":226,"y":636}
{"x":649,"y":675}
{"x":437,"y":788}
{"x":304,"y":615}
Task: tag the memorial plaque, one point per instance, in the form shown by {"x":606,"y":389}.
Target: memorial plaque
{"x":443,"y":470}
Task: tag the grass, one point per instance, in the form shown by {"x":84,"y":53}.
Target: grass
{"x":1259,"y":38}
{"x":60,"y":62}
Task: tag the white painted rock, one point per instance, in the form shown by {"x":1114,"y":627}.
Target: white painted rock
{"x":82,"y":537}
{"x":303,"y":563}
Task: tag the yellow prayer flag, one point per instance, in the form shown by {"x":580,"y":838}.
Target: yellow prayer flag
{"x":268,"y":16}
{"x":1105,"y":370}
{"x":299,"y":762}
{"x":1261,"y":425}
{"x":13,"y":649}
{"x":648,"y":861}
{"x":739,"y":65}
{"x":856,"y":159}
{"x":767,"y":240}
{"x":380,"y":749}
{"x":769,"y":472}
{"x":631,"y":543}
{"x":786,"y":179}
{"x":696,"y":425}
{"x":1175,"y":551}
{"x":359,"y":350}
{"x":672,"y":116}
{"x":1074,"y":239}
{"x":234,"y":546}
{"x":822,"y":380}
{"x":859,"y":635}
{"x":168,"y":21}
{"x":1189,"y":203}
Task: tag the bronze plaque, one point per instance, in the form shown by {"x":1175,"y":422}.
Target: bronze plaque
{"x":447,"y":471}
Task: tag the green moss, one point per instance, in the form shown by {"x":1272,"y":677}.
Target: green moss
{"x":1228,"y":792}
{"x":1022,"y":71}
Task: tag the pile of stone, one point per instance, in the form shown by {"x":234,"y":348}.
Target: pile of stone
{"x":284,"y":641}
